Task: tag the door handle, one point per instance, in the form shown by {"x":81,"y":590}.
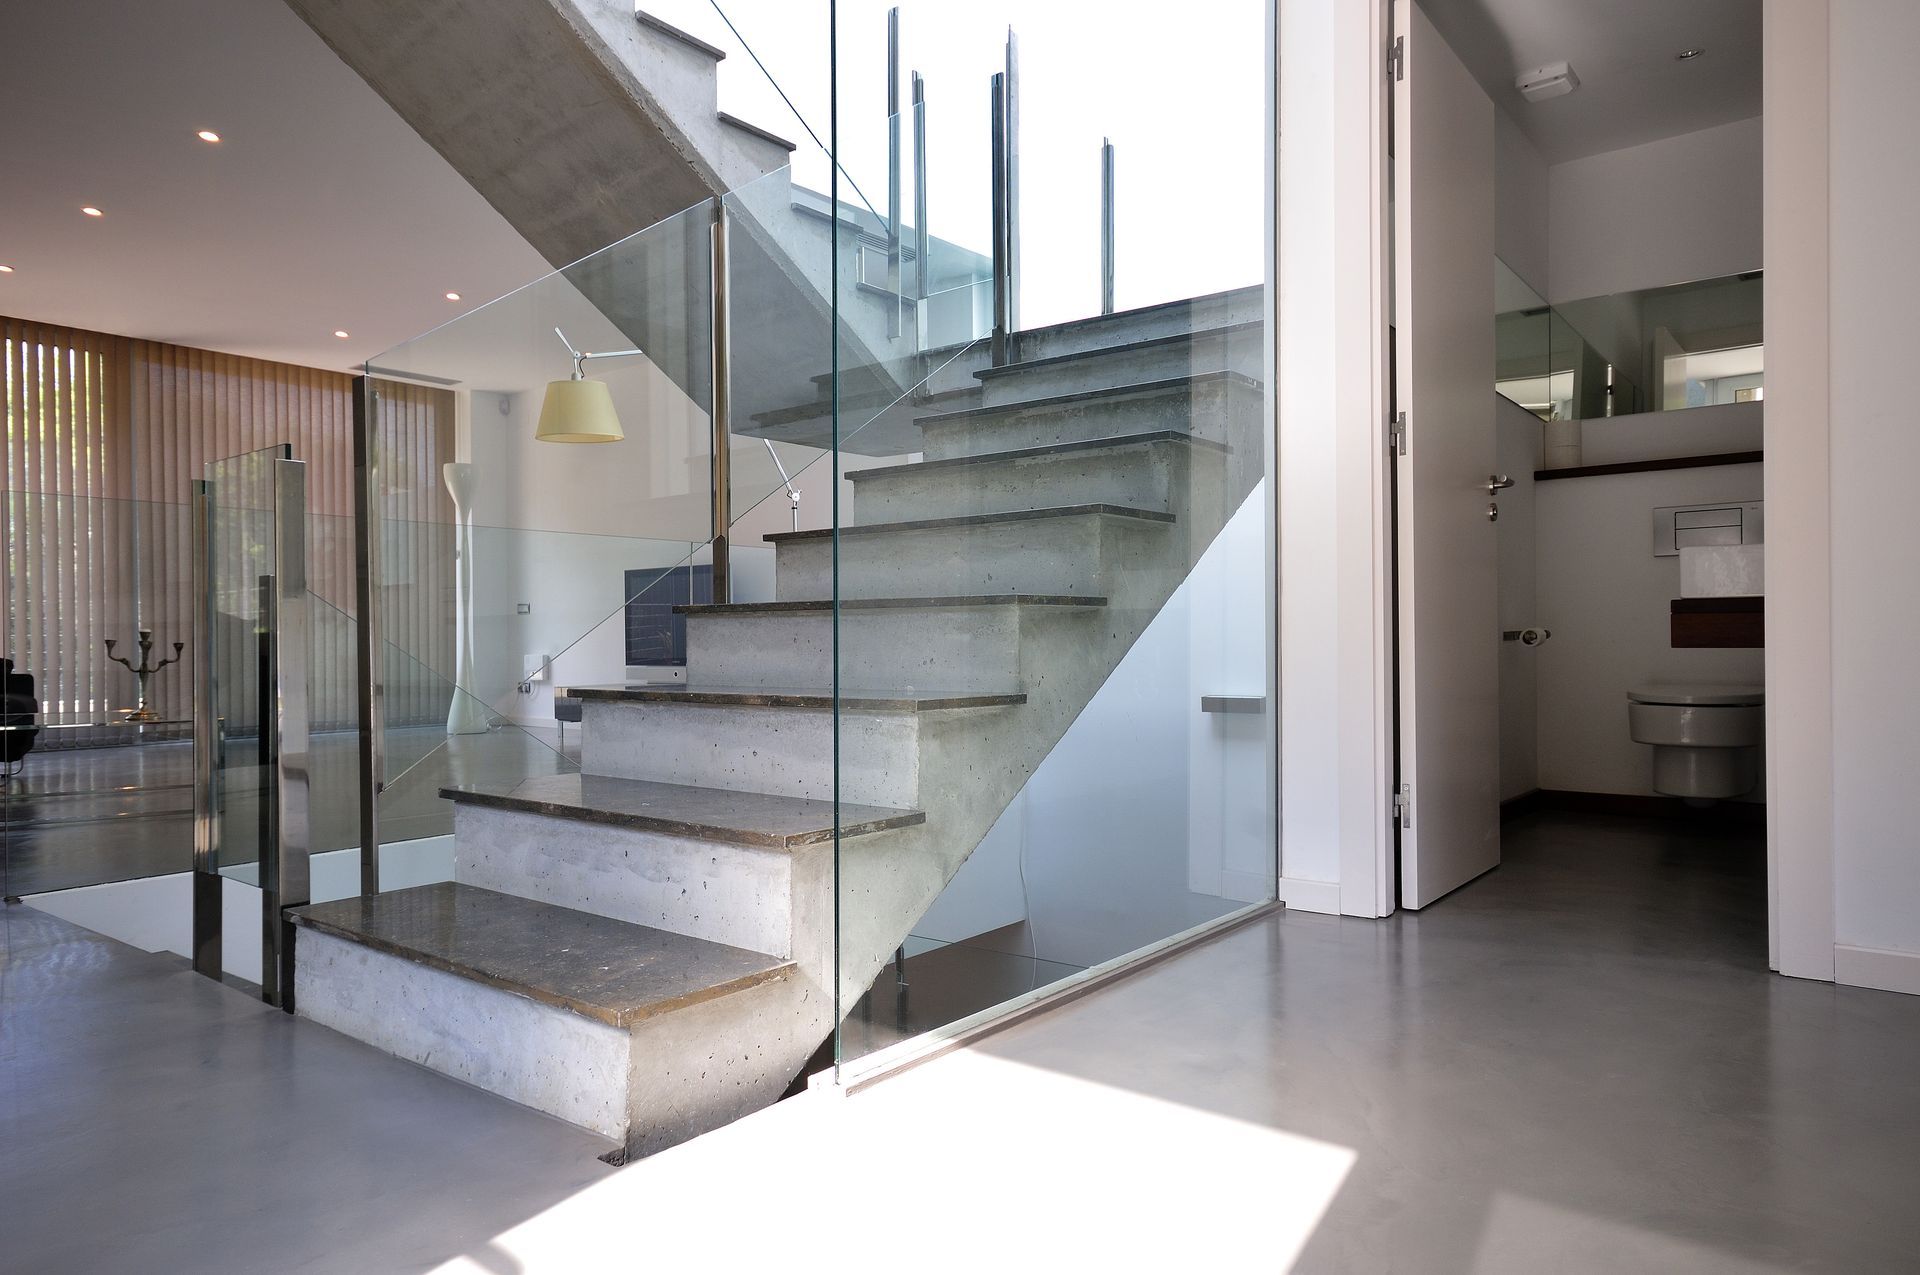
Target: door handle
{"x":1497,"y":481}
{"x":1526,"y":637}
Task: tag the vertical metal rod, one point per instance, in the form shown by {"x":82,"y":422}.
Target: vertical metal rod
{"x":1106,"y":226}
{"x":288,"y":884}
{"x":722,"y":365}
{"x":207,"y":890}
{"x":371,"y":687}
{"x":920,"y":277}
{"x":893,"y":171}
{"x":1002,"y":322}
{"x":1012,"y":129}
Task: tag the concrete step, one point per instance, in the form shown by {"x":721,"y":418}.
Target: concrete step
{"x":1238,"y":347}
{"x":709,"y":863}
{"x":1069,"y":550}
{"x":635,"y":1033}
{"x":1142,"y":471}
{"x":970,"y":643}
{"x":1222,"y":406}
{"x":1145,"y":323}
{"x":774,"y":740}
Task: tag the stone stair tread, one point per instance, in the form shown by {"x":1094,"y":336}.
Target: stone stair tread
{"x":1113,"y":442}
{"x":1136,"y":389}
{"x":883,"y":700}
{"x":811,"y":605}
{"x":612,"y":971}
{"x":974,"y":520}
{"x":764,"y":820}
{"x":1226,"y":331}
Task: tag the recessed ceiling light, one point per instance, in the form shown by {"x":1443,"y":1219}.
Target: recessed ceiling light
{"x":1687,"y":55}
{"x":453,"y":296}
{"x":207,"y":135}
{"x":342,"y":333}
{"x":91,"y":211}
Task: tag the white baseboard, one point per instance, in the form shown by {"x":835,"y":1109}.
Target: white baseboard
{"x":1878,"y":967}
{"x":1310,"y":896}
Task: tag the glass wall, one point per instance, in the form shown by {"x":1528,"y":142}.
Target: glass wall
{"x":1048,"y":586}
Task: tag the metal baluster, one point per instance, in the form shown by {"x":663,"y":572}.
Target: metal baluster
{"x":893,"y":171}
{"x":1106,"y":226}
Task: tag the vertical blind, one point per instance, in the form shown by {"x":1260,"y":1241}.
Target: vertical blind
{"x":104,"y":436}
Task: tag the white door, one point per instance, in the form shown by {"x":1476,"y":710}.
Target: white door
{"x":1447,"y":559}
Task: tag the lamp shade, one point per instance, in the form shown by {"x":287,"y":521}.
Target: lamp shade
{"x":578,"y":412}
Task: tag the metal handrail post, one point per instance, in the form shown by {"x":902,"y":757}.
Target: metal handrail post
{"x":920,"y":277}
{"x":1011,"y":128}
{"x":722,"y":365}
{"x":1106,"y":226}
{"x":1002,"y":247}
{"x":893,"y":171}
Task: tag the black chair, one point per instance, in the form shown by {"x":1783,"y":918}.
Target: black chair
{"x":20,"y":715}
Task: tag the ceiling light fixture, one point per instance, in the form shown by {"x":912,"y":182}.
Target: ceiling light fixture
{"x":342,"y":333}
{"x":6,"y":269}
{"x":1687,"y":55}
{"x":207,"y":135}
{"x":453,"y":296}
{"x":577,"y":410}
{"x":91,"y":211}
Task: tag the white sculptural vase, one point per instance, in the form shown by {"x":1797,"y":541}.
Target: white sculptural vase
{"x":466,"y":715}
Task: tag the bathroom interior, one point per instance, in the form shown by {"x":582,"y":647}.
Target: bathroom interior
{"x":1630,"y":390}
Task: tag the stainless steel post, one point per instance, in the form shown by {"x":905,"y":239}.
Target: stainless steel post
{"x":207,"y":889}
{"x":285,"y":878}
{"x":722,"y":365}
{"x":893,"y":171}
{"x":1011,"y":127}
{"x":920,"y":276}
{"x":1106,"y":226}
{"x":371,"y":681}
{"x":1002,"y":247}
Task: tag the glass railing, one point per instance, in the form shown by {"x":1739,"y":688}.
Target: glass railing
{"x":1666,"y":349}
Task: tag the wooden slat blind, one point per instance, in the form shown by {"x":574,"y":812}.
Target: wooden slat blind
{"x":104,"y":436}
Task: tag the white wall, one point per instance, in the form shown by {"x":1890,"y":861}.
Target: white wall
{"x":1875,"y":549}
{"x":1517,"y":443}
{"x":1334,"y":611}
{"x":1670,"y":211}
{"x":1520,"y":217}
{"x":1607,"y":599}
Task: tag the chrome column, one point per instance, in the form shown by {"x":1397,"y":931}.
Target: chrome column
{"x":207,"y":889}
{"x":370,"y":690}
{"x":920,"y":276}
{"x":1002,"y":236}
{"x":893,"y":171}
{"x":284,"y":875}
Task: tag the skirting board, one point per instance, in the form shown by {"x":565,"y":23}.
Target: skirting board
{"x":1310,"y":896}
{"x":1880,"y":968}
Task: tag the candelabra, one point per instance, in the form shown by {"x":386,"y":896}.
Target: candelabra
{"x":144,"y":672}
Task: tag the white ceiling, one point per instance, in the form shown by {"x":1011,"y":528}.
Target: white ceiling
{"x":1632,"y":90}
{"x":318,"y":210}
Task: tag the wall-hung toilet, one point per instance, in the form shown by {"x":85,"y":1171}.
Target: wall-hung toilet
{"x":1706,"y":739}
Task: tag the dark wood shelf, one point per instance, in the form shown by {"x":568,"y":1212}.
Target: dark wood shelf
{"x":1649,"y":466}
{"x":1718,"y":622}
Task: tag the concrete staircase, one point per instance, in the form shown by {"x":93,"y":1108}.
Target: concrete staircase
{"x":648,"y":948}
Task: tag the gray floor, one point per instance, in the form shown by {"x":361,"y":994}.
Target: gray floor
{"x":152,"y":1120}
{"x":1577,"y":1063}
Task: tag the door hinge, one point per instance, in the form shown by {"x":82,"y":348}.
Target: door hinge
{"x":1397,"y":434}
{"x":1397,"y":58}
{"x":1403,"y":805}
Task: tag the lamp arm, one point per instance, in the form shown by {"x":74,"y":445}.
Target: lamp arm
{"x":580,"y":357}
{"x":786,"y":480}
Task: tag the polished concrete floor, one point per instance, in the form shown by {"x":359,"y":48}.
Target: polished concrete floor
{"x":152,"y":1120}
{"x":1577,"y":1063}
